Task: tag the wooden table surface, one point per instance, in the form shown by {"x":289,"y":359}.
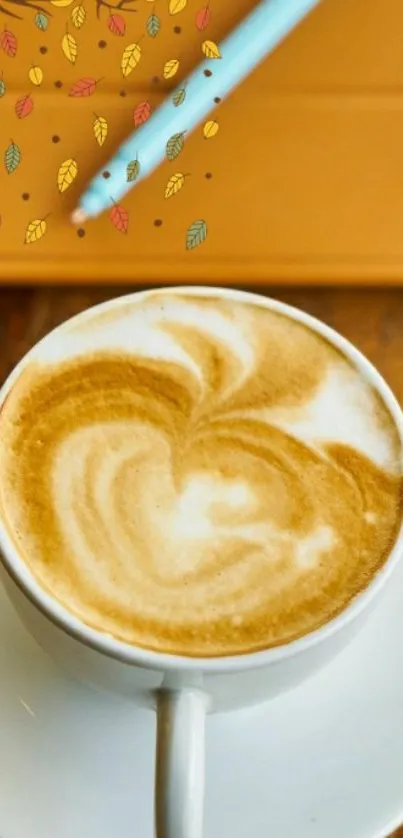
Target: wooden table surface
{"x":372,"y":319}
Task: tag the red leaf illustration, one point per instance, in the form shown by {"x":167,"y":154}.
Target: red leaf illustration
{"x":8,"y":43}
{"x":203,"y":18}
{"x":117,"y":24}
{"x":83,"y":87}
{"x":24,"y":106}
{"x":120,"y":218}
{"x":141,"y":113}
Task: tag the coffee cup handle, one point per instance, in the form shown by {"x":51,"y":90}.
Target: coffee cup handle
{"x":179,"y":773}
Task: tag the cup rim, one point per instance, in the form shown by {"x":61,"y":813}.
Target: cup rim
{"x":150,"y":659}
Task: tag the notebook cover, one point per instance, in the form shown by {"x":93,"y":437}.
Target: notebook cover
{"x":302,"y":180}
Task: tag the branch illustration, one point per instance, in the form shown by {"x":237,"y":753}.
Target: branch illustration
{"x":27,"y":4}
{"x":120,"y":6}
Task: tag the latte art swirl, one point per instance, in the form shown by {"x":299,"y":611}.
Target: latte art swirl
{"x":197,"y":475}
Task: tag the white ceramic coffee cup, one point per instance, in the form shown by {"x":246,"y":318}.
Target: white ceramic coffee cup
{"x":183,"y":690}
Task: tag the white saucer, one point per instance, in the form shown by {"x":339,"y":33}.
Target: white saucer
{"x":325,"y":761}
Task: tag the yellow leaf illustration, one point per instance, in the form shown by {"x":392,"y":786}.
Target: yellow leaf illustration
{"x":35,"y":230}
{"x":130,"y":58}
{"x":174,"y":184}
{"x":100,"y":129}
{"x":171,"y":68}
{"x":210,"y":49}
{"x":61,"y":3}
{"x":66,"y":174}
{"x":69,"y":47}
{"x":210,"y":129}
{"x":78,"y":15}
{"x":36,"y":75}
{"x":176,"y":6}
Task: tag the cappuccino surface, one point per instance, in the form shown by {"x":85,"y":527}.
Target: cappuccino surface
{"x":197,"y":474}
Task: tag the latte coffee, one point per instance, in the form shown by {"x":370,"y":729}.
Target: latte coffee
{"x":198,"y":474}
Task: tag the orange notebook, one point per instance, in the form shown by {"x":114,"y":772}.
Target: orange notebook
{"x":301,"y":181}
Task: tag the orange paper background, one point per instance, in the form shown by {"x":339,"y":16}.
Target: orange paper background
{"x":302,"y":182}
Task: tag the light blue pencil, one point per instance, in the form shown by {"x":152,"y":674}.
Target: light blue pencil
{"x":213,"y":79}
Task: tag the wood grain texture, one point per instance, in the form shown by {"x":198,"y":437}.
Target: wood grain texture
{"x":372,"y":319}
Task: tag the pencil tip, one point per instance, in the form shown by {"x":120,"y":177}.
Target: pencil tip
{"x":78,"y":216}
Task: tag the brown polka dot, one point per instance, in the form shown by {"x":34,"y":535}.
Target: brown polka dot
{"x":122,"y":93}
{"x":177,"y":30}
{"x":208,"y":73}
{"x":217,"y":100}
{"x":158,"y":222}
{"x":106,"y":174}
{"x":25,"y":196}
{"x":55,"y":139}
{"x":58,"y":84}
{"x":80,"y":233}
{"x":208,"y":175}
{"x":102,"y":44}
{"x":155,"y":79}
{"x":43,"y":50}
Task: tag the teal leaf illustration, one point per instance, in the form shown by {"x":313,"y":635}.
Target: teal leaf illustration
{"x":132,"y":171}
{"x":41,"y":21}
{"x":175,"y":145}
{"x":196,"y":234}
{"x":153,"y":25}
{"x":179,"y":97}
{"x":12,"y":158}
{"x":2,"y":88}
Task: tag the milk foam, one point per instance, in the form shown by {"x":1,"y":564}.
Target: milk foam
{"x":198,"y":475}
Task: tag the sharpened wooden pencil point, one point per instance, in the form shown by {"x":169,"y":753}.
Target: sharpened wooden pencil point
{"x":78,"y":216}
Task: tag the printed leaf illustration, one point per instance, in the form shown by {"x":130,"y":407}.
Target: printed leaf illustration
{"x":176,"y":6}
{"x":141,"y":113}
{"x":117,"y":24}
{"x":100,"y":127}
{"x":8,"y":43}
{"x":179,"y":97}
{"x":36,"y":230}
{"x":66,"y":174}
{"x":175,"y":145}
{"x":210,"y":129}
{"x":36,"y":75}
{"x":203,"y":18}
{"x":171,"y":68}
{"x":174,"y":184}
{"x":2,"y":88}
{"x":120,"y":218}
{"x":83,"y":87}
{"x":12,"y":158}
{"x":61,"y":3}
{"x":210,"y":49}
{"x":153,"y":25}
{"x":130,"y":58}
{"x":132,"y":171}
{"x":41,"y":21}
{"x":196,"y":234}
{"x":69,"y":47}
{"x":24,"y":106}
{"x":78,"y":15}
